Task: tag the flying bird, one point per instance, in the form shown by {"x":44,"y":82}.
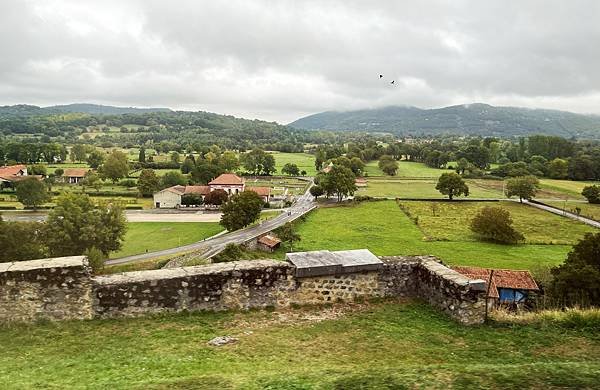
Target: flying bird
{"x":380,"y":76}
{"x":392,"y":82}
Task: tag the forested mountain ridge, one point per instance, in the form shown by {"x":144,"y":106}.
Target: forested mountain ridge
{"x":83,"y":108}
{"x":26,"y":123}
{"x":468,"y":119}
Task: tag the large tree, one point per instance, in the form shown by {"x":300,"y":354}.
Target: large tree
{"x":95,"y":158}
{"x":577,"y":280}
{"x":115,"y":167}
{"x":78,"y":153}
{"x":173,"y":178}
{"x":76,"y":225}
{"x":290,"y":169}
{"x":241,"y":210}
{"x":339,"y":181}
{"x":32,"y":192}
{"x":21,"y":241}
{"x":525,"y":187}
{"x":148,"y":183}
{"x":452,"y":184}
{"x":258,"y":162}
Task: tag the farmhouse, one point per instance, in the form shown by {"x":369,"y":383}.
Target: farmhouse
{"x":507,"y":286}
{"x":12,"y":173}
{"x":228,"y":182}
{"x":74,"y":175}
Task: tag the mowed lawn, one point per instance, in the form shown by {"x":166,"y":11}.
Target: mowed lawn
{"x":385,"y":229}
{"x":154,"y":236}
{"x":304,"y":161}
{"x":379,"y":345}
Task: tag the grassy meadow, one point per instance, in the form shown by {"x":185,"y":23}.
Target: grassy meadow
{"x":154,"y":236}
{"x":304,"y":161}
{"x":378,"y":345}
{"x":587,"y":210}
{"x":385,"y":229}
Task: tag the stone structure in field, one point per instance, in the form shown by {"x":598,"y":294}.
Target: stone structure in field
{"x":64,"y":289}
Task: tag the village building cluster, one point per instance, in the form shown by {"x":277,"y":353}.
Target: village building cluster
{"x":229,"y":182}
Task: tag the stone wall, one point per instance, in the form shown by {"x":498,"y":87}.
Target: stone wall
{"x":235,"y":285}
{"x":63,"y":288}
{"x":54,"y":289}
{"x":456,"y":295}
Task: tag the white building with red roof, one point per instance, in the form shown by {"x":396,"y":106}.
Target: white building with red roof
{"x":229,"y":182}
{"x":12,"y":173}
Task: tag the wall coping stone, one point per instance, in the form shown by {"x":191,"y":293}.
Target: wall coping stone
{"x":56,"y":262}
{"x":181,"y":272}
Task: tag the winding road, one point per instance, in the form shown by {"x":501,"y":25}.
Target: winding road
{"x":216,"y":244}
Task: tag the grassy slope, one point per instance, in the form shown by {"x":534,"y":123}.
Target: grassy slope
{"x":384,"y":345}
{"x":162,"y":235}
{"x":451,"y":222}
{"x":304,"y":161}
{"x":587,"y":210}
{"x":384,"y":229}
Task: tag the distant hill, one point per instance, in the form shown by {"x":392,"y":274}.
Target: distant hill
{"x":106,"y":110}
{"x":85,"y":108}
{"x":468,"y":119}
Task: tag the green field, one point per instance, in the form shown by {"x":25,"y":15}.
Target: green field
{"x":154,"y":236}
{"x":383,"y":228}
{"x":407,"y":169}
{"x":379,"y":345}
{"x":397,"y":187}
{"x":304,"y":161}
{"x":567,"y":187}
{"x":451,"y":222}
{"x":588,"y":210}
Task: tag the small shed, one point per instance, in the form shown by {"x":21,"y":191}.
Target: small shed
{"x":74,"y":175}
{"x":268,"y":243}
{"x":507,"y":286}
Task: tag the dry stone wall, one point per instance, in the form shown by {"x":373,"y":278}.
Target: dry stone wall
{"x":63,"y":288}
{"x":54,"y":289}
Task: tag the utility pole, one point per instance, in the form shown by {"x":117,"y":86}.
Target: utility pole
{"x":487,"y":293}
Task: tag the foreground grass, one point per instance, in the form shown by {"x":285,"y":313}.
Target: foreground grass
{"x":383,"y":228}
{"x":368,"y":346}
{"x":154,"y":236}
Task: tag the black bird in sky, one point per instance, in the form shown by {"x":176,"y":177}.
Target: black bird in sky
{"x":380,"y":76}
{"x":392,"y":82}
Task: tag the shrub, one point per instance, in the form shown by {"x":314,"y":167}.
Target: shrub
{"x":592,"y":194}
{"x":128,"y":183}
{"x":95,"y":259}
{"x":231,"y":252}
{"x":495,"y":224}
{"x":362,"y":198}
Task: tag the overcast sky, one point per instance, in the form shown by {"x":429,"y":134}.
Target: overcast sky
{"x":279,"y":60}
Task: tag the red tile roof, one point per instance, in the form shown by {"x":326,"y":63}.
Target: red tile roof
{"x":269,"y":240}
{"x":502,"y":278}
{"x":227,"y":179}
{"x":201,"y":190}
{"x":261,"y":191}
{"x":9,"y":172}
{"x":75,"y":172}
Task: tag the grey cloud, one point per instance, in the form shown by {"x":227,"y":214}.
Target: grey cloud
{"x":278,"y":60}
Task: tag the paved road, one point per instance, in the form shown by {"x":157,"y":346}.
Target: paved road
{"x":214,"y":245}
{"x":563,"y":213}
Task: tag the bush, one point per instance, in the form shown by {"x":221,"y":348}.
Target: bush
{"x":128,"y":183}
{"x":495,"y":224}
{"x":362,"y":198}
{"x":95,"y":259}
{"x":231,"y":252}
{"x":592,"y":194}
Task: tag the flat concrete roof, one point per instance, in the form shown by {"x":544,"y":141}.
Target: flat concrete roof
{"x":320,"y":263}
